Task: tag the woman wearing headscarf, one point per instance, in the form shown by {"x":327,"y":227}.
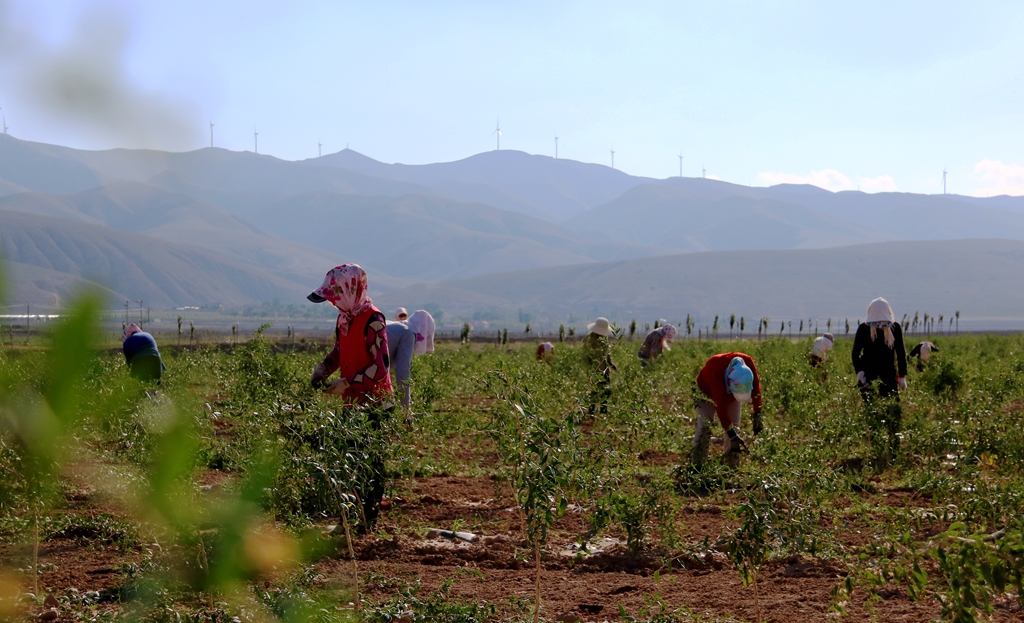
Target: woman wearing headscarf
{"x":820,"y":348}
{"x":360,"y":352}
{"x":656,"y":342}
{"x":545,"y":351}
{"x":360,"y":355}
{"x":405,"y":339}
{"x":724,"y":383}
{"x":597,"y":352}
{"x":880,"y":361}
{"x":923,"y":352}
{"x":141,"y":354}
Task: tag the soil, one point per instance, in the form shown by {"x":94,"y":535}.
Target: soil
{"x":591,"y":587}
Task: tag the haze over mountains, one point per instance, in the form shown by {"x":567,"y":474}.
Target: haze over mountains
{"x":215,"y":227}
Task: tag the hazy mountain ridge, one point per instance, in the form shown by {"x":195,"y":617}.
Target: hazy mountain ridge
{"x":979,"y":277}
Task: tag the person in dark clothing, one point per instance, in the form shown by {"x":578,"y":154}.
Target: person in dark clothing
{"x":141,"y":354}
{"x":923,"y":352}
{"x":597,"y":352}
{"x":880,"y":361}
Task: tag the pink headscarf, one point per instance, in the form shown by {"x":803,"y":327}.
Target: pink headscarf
{"x":345,"y":287}
{"x":129,"y":331}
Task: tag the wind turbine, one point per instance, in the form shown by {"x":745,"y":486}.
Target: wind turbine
{"x":680,"y":165}
{"x":319,"y":149}
{"x":211,"y":135}
{"x":255,"y":142}
{"x":943,"y":180}
{"x":497,"y":132}
{"x":703,"y":172}
{"x":556,"y":148}
{"x":613,"y":158}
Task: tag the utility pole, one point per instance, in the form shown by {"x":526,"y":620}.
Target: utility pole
{"x":140,"y":310}
{"x":126,"y":312}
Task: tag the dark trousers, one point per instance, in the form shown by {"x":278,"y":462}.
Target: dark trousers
{"x":601,"y":393}
{"x":884,"y":416}
{"x":147,"y":368}
{"x":371,"y":491}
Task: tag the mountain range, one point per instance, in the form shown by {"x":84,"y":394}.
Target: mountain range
{"x":276,"y":226}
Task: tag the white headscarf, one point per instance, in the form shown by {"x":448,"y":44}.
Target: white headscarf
{"x":880,"y":316}
{"x":422,"y":324}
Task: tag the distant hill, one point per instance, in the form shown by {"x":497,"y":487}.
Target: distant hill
{"x":702,"y":215}
{"x":541,"y":186}
{"x":982,"y":278}
{"x":132,"y":266}
{"x":431,"y":238}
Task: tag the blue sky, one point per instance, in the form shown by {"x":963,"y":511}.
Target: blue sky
{"x":876,"y":95}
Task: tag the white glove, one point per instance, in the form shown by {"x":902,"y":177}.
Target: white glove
{"x":902,"y":382}
{"x":337,"y":387}
{"x":862,"y":380}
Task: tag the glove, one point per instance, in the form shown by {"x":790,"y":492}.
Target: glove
{"x":736,"y":443}
{"x":862,"y":380}
{"x":316,"y":381}
{"x":902,"y":382}
{"x":337,"y":387}
{"x":758,"y":422}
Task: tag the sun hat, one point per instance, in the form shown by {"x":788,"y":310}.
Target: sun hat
{"x":739,"y":379}
{"x":401,"y":313}
{"x":601,"y":326}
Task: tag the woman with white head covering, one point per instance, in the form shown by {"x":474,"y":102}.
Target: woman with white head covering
{"x":880,"y":361}
{"x":405,"y":339}
{"x":597,"y":352}
{"x":656,"y":342}
{"x":923,"y":352}
{"x":820,"y":348}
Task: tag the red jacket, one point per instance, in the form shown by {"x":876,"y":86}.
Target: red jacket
{"x":361,"y":357}
{"x":711,"y":382}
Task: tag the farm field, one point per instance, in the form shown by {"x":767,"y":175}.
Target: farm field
{"x":226,"y":494}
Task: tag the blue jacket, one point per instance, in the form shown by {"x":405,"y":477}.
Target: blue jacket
{"x":139,"y":344}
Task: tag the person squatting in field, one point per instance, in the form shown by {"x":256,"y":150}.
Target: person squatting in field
{"x":880,"y":361}
{"x":656,"y":342}
{"x":545,"y":351}
{"x":820,"y":348}
{"x":405,"y":339}
{"x":597,"y":352}
{"x":923,"y":353}
{"x":141,"y":354}
{"x":724,"y":383}
{"x":360,"y":355}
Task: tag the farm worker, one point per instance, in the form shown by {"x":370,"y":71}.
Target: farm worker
{"x":923,"y":352}
{"x":724,"y":383}
{"x":401,"y":314}
{"x":545,"y":351}
{"x":360,"y":355}
{"x":405,"y":339}
{"x":655,"y":343}
{"x":141,"y":354}
{"x":597,"y":352}
{"x":820,"y":348}
{"x":879,"y":356}
{"x":422,"y":324}
{"x":401,"y":341}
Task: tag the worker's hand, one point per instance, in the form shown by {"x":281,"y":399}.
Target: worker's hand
{"x":902,"y":382}
{"x":338,"y":387}
{"x":758,"y":420}
{"x":316,"y":381}
{"x":862,"y":380}
{"x":736,"y":443}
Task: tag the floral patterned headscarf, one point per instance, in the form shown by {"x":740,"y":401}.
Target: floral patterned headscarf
{"x":345,"y":287}
{"x":129,"y":331}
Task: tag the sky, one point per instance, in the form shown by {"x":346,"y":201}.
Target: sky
{"x":880,"y":96}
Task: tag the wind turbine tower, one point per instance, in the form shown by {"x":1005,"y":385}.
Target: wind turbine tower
{"x":703,"y":172}
{"x":211,"y":135}
{"x":497,"y":133}
{"x":613,"y":158}
{"x":943,"y":180}
{"x":556,"y":148}
{"x":255,"y":142}
{"x":680,"y":165}
{"x":319,"y":149}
